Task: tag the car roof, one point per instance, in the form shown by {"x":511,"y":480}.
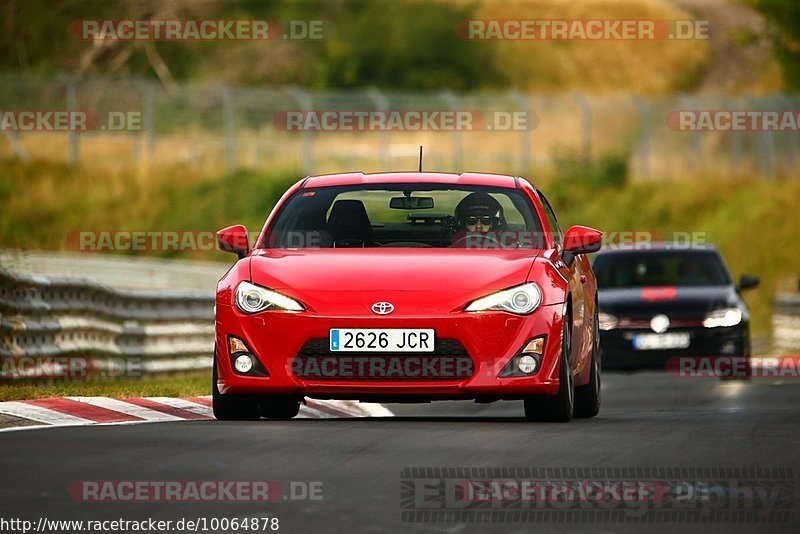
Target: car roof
{"x":466,"y":178}
{"x":655,"y":246}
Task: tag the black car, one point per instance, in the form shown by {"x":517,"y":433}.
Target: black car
{"x":666,"y":301}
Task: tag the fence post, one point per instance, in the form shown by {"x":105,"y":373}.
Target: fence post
{"x":72,"y":104}
{"x":645,"y":119}
{"x":526,"y":135}
{"x":458,"y":145}
{"x":766,"y":144}
{"x":791,"y":137}
{"x":148,"y":141}
{"x":586,"y":127}
{"x":307,"y":156}
{"x":735,"y":141}
{"x":382,"y":105}
{"x":229,"y":126}
{"x":688,"y":103}
{"x":16,"y":146}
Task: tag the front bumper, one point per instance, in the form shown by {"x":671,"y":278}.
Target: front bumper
{"x":619,"y":351}
{"x":489,"y":340}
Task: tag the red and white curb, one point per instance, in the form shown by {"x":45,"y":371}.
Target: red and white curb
{"x":77,"y":411}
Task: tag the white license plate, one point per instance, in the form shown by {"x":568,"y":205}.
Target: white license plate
{"x":676,"y":340}
{"x":381,"y":340}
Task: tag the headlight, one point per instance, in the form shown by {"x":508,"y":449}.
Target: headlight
{"x":606,"y":321}
{"x":723,"y":317}
{"x":251,"y":298}
{"x":521,"y":300}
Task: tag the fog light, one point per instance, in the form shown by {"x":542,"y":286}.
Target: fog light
{"x":243,"y":363}
{"x":727,"y":348}
{"x":527,"y":364}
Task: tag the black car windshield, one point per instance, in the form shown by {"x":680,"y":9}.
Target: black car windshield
{"x":407,"y":216}
{"x":660,"y":268}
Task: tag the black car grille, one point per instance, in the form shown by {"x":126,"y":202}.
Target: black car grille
{"x":448,"y":361}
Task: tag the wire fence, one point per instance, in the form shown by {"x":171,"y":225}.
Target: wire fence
{"x":140,"y":123}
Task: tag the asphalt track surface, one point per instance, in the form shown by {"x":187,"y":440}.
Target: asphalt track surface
{"x":648,"y":420}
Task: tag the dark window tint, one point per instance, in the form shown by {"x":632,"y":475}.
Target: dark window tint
{"x":406,"y":216}
{"x":660,"y":268}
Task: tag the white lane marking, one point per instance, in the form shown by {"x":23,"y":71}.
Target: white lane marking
{"x":41,"y":415}
{"x":183,"y":404}
{"x":127,"y":408}
{"x":311,"y":413}
{"x":362,"y":409}
{"x":52,"y":418}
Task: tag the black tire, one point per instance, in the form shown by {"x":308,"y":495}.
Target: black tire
{"x":556,"y":408}
{"x":587,"y":397}
{"x":279,"y":407}
{"x":232,"y":407}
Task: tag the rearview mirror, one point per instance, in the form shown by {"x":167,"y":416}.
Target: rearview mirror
{"x":411,"y":203}
{"x":234,"y":239}
{"x":582,"y":240}
{"x":748,"y":280}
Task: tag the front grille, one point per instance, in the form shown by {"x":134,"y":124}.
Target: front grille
{"x":448,"y":361}
{"x":636,"y":324}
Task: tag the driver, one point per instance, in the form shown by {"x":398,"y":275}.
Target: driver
{"x":478,"y":216}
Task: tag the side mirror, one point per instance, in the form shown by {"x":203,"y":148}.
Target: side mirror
{"x":582,"y":240}
{"x":234,"y":239}
{"x":748,"y":281}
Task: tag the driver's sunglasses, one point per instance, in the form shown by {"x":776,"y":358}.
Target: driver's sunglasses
{"x":486,"y":221}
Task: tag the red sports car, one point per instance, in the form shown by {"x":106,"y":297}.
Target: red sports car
{"x":408,"y":287}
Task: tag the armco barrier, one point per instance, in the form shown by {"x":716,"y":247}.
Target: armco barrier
{"x":786,"y":322}
{"x":47,"y":323}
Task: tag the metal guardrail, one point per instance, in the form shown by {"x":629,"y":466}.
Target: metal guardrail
{"x":786,"y":322}
{"x":55,"y":327}
{"x":117,"y":271}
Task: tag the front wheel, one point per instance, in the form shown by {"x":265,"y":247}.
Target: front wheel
{"x":558,"y":407}
{"x":232,"y":407}
{"x":279,"y":407}
{"x":587,"y":398}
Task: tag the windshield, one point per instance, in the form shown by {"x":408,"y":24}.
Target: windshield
{"x":660,"y":268}
{"x":407,"y":216}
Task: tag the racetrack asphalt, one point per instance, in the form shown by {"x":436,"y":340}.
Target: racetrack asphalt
{"x":649,"y":420}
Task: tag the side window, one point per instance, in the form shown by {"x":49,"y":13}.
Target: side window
{"x":552,"y":222}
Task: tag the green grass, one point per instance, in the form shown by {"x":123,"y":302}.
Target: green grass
{"x":185,"y":385}
{"x":42,"y":202}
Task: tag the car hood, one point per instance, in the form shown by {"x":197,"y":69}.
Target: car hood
{"x":689,"y":302}
{"x":435,"y":281}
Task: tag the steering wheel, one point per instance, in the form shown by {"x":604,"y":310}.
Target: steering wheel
{"x":482,"y":239}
